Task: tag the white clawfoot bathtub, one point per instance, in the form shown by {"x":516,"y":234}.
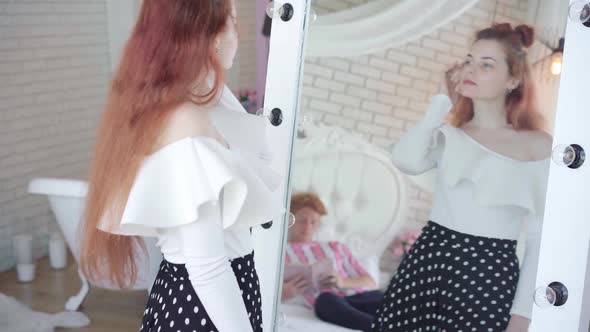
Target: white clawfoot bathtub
{"x":66,"y":198}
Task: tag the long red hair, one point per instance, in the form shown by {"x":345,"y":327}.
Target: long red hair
{"x":521,"y":106}
{"x":166,"y":62}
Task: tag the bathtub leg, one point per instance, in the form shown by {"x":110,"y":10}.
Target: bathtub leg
{"x":74,"y":302}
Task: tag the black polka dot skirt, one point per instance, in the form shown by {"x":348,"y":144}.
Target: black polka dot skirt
{"x":173,"y":305}
{"x":451,"y":282}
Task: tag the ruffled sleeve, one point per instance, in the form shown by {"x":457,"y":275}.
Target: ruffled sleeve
{"x":415,"y":152}
{"x":231,"y":118}
{"x":173,"y":183}
{"x":498,"y":180}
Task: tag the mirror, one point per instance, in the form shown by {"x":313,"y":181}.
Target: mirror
{"x":408,"y":217}
{"x":57,"y":70}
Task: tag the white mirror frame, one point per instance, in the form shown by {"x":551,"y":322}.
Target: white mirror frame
{"x":283,"y":84}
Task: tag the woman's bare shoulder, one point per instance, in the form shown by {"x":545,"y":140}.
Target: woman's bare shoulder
{"x":187,"y":120}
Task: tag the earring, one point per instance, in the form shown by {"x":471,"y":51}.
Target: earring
{"x":217,"y":48}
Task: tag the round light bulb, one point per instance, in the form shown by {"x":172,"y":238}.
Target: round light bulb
{"x":545,"y":297}
{"x":271,"y":9}
{"x":313,"y":16}
{"x":556,"y":64}
{"x":291,"y":220}
{"x":579,"y":11}
{"x":563,"y":155}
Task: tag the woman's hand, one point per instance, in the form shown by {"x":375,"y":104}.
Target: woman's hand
{"x":450,"y":83}
{"x":332,"y":280}
{"x":294,"y":287}
{"x":518,"y":324}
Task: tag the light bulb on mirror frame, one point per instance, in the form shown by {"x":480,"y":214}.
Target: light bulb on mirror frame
{"x":579,"y":12}
{"x":556,"y":63}
{"x":563,"y":155}
{"x":313,"y":16}
{"x":275,"y":116}
{"x":291,"y":221}
{"x":275,"y":7}
{"x":545,"y":297}
{"x":304,"y":121}
{"x":271,"y":9}
{"x":571,"y":156}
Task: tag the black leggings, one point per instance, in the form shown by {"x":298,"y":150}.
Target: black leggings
{"x":354,"y":311}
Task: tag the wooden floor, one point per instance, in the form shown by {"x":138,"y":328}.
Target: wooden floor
{"x":111,"y":311}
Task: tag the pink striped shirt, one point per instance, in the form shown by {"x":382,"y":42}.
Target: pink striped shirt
{"x":344,"y":263}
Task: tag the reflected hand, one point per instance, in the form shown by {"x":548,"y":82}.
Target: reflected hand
{"x":518,"y":324}
{"x":450,"y":84}
{"x":332,"y":280}
{"x":294,"y":287}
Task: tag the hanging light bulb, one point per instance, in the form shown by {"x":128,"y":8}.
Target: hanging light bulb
{"x":556,"y":63}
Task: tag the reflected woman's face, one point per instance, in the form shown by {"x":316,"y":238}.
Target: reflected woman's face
{"x":307,"y":223}
{"x":485,"y":73}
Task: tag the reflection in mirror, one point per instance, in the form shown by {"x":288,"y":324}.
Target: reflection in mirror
{"x":64,"y":75}
{"x":460,"y":105}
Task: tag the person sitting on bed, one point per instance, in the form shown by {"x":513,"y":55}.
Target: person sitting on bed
{"x":344,"y":295}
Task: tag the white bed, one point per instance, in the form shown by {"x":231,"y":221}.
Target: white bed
{"x":365,"y":197}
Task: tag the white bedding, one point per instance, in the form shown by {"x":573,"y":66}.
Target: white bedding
{"x":299,"y":318}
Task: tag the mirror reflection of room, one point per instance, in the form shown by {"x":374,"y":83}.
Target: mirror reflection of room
{"x":422,"y":159}
{"x":58,"y":63}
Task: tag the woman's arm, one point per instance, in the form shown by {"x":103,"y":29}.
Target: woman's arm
{"x":414,"y":153}
{"x":360,"y":277}
{"x":210,"y":272}
{"x":365,"y":281}
{"x":293,"y":287}
{"x":522,"y":305}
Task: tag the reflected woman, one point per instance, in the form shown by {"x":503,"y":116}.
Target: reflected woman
{"x":463,"y":273}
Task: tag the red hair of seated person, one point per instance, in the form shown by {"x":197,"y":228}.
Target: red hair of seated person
{"x":310,"y":200}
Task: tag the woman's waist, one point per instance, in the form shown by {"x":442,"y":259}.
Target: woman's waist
{"x":438,"y":232}
{"x":178,"y":259}
{"x":497,"y":223}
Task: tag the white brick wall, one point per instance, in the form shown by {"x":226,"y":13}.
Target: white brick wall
{"x":382,"y":95}
{"x":54,"y":68}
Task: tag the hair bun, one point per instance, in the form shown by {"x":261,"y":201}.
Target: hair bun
{"x":526,"y":33}
{"x":502,"y":27}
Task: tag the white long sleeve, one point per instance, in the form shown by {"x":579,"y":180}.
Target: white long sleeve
{"x":200,"y":246}
{"x":414,"y":153}
{"x":523,"y":300}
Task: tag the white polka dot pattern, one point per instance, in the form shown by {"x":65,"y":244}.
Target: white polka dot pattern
{"x":174,"y":306}
{"x":451,"y":281}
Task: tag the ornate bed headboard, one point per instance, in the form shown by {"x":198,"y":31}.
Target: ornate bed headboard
{"x":364,"y":193}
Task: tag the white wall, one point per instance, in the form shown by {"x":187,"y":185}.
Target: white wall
{"x":382,"y":95}
{"x":243,"y":74}
{"x":54,"y":68}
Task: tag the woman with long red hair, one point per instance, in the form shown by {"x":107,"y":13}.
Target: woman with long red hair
{"x":161,"y":168}
{"x":463,"y":273}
